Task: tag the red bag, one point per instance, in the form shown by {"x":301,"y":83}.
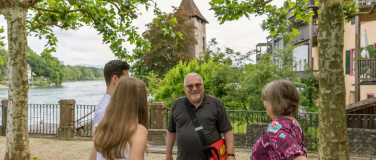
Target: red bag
{"x":219,"y":149}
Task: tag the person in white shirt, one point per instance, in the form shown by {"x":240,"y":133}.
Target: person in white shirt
{"x":113,"y":71}
{"x":122,"y":133}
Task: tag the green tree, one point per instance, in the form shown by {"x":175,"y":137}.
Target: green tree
{"x":111,"y":19}
{"x":310,"y":90}
{"x":139,"y":68}
{"x":54,"y":72}
{"x":171,"y":86}
{"x":3,"y":63}
{"x":166,"y":52}
{"x":332,"y":14}
{"x":258,"y":75}
{"x":227,"y":57}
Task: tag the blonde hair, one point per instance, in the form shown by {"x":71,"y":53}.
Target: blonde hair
{"x":127,"y":108}
{"x":283,"y":97}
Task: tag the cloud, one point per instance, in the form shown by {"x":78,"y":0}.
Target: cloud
{"x":85,"y":46}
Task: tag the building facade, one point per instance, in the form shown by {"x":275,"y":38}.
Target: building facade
{"x":306,"y":53}
{"x":200,"y":23}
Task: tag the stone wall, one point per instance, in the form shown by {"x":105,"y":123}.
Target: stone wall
{"x":200,"y":34}
{"x":254,"y":131}
{"x":362,"y":141}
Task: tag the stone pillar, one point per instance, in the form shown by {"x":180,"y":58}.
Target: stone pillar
{"x":4,"y":112}
{"x":158,"y":115}
{"x":66,"y":118}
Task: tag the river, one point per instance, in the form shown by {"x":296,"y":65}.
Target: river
{"x":84,"y":92}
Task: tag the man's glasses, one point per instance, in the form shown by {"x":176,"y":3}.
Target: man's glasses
{"x":197,"y":85}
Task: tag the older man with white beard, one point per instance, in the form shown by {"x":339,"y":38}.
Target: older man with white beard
{"x":211,"y":115}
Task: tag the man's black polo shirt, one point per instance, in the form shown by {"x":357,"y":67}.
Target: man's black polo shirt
{"x":211,"y":115}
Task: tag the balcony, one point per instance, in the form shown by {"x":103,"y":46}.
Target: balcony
{"x":365,"y":6}
{"x":303,"y":35}
{"x":366,"y":3}
{"x":311,"y":3}
{"x":367,"y":71}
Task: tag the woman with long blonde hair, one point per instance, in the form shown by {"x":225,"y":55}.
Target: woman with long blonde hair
{"x":122,"y":133}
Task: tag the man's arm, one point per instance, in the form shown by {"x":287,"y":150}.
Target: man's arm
{"x":93,"y":153}
{"x":170,"y":140}
{"x":229,"y":138}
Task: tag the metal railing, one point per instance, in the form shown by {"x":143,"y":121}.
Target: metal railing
{"x":361,"y":132}
{"x":1,"y":114}
{"x":84,"y":120}
{"x":304,"y":33}
{"x":366,"y":3}
{"x":247,"y":126}
{"x":363,"y":121}
{"x":367,"y":70}
{"x":168,"y":112}
{"x":43,"y":118}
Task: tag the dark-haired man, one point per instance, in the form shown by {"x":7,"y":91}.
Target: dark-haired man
{"x":113,"y":71}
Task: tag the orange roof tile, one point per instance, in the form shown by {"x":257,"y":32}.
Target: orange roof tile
{"x":190,"y":7}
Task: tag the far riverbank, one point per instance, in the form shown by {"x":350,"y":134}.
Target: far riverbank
{"x":84,"y":92}
{"x":50,"y":85}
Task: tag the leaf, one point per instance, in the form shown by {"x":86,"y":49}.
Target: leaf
{"x":273,"y":33}
{"x":316,"y":3}
{"x":292,"y":4}
{"x":219,"y":1}
{"x":180,"y":35}
{"x":299,"y":16}
{"x":131,"y":41}
{"x":295,"y":32}
{"x":311,"y":14}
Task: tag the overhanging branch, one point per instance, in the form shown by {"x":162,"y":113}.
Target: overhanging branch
{"x":263,"y":3}
{"x":256,"y":5}
{"x":55,"y":23}
{"x":118,"y":8}
{"x":371,"y":11}
{"x":46,"y":23}
{"x":32,"y":25}
{"x":57,"y":11}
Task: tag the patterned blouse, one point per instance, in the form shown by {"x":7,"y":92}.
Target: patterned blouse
{"x":283,"y":140}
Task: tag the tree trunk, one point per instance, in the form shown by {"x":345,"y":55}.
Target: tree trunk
{"x":17,"y":134}
{"x":333,"y":142}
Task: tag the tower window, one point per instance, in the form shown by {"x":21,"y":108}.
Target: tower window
{"x":203,"y":44}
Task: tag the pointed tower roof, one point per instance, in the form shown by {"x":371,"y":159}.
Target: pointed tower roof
{"x":190,"y":7}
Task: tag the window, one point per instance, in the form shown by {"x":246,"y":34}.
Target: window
{"x":352,"y":62}
{"x":304,"y":63}
{"x":370,"y":95}
{"x":203,"y":44}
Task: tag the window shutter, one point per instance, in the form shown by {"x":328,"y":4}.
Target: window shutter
{"x":347,"y":61}
{"x":353,"y":20}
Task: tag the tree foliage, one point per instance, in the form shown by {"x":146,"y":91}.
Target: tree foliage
{"x":111,"y":19}
{"x":49,"y":67}
{"x":237,"y":86}
{"x":310,"y":90}
{"x":3,"y":63}
{"x":171,"y":86}
{"x":332,"y":15}
{"x":166,"y":52}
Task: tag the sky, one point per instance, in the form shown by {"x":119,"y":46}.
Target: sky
{"x":85,"y":47}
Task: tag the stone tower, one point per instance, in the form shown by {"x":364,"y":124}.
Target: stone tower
{"x":199,"y":21}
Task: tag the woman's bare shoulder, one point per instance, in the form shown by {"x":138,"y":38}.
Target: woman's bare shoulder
{"x":141,"y":130}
